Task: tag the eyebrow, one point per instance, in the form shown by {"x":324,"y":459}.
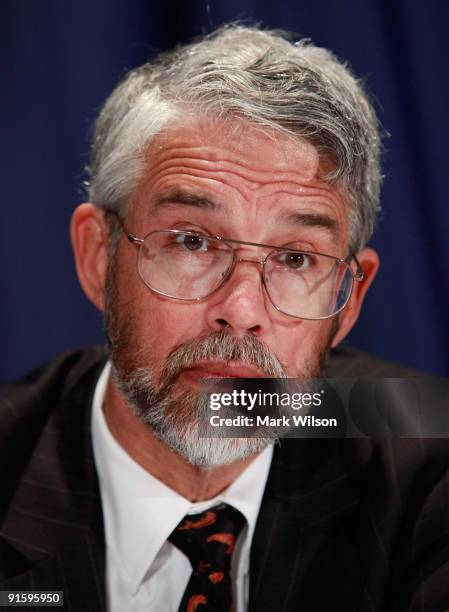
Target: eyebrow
{"x":312,"y":220}
{"x":185,"y":198}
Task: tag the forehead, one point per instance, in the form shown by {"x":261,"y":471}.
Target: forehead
{"x":249,"y":172}
{"x":257,"y":148}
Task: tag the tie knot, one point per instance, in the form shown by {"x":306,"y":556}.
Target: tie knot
{"x":208,"y":539}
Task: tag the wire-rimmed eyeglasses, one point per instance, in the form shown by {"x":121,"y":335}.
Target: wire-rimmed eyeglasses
{"x":190,"y":266}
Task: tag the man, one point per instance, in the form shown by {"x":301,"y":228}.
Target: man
{"x":234,"y":183}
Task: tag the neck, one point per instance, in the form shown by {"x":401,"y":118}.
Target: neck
{"x":140,"y":443}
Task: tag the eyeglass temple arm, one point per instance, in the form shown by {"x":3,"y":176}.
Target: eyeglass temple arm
{"x":359,"y":273}
{"x":131,"y":237}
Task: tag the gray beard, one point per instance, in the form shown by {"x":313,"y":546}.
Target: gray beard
{"x":177,"y":415}
{"x":178,"y":418}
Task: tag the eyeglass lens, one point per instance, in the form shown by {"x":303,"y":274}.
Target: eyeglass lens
{"x":190,"y":266}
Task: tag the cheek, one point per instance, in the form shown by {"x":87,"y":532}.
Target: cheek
{"x":163,"y":324}
{"x":157,"y":323}
{"x":303,"y":346}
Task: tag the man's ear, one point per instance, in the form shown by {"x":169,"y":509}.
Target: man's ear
{"x":89,"y":234}
{"x":369,"y":262}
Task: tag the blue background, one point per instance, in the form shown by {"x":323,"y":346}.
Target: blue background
{"x":60,"y":60}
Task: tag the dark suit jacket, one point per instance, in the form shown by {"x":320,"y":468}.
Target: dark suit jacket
{"x":345,"y":524}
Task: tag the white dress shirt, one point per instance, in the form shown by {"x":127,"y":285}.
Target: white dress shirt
{"x":144,"y":571}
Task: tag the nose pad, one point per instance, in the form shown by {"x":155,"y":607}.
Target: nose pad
{"x":239,"y":260}
{"x":242,"y":303}
{"x":241,"y":277}
{"x":253,"y":261}
{"x":229,"y":276}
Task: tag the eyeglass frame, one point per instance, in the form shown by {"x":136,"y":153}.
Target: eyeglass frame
{"x":358,"y":275}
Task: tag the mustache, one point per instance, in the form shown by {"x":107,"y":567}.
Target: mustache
{"x":224,"y":346}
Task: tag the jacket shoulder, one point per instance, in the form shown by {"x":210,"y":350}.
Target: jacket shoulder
{"x":348,"y":362}
{"x":27,"y":405}
{"x":30,"y":395}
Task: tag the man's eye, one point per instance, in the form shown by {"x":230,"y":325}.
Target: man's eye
{"x":295,"y":261}
{"x":192,"y":242}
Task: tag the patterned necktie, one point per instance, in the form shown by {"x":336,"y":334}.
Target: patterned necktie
{"x":208,"y":540}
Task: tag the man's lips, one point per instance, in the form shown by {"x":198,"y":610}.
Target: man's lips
{"x":222,"y":369}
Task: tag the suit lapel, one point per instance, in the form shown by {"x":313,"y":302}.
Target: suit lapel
{"x":301,"y":548}
{"x":53,"y":529}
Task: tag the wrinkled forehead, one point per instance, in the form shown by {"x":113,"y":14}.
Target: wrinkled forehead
{"x":251,"y":173}
{"x":247,"y":142}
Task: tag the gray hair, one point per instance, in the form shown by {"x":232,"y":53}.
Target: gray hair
{"x":259,"y":76}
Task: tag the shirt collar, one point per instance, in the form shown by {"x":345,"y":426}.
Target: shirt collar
{"x":140,"y":511}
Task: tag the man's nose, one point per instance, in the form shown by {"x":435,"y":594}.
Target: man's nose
{"x":241,"y":304}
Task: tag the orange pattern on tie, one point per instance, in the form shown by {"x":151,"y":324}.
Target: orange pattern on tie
{"x":203,"y":567}
{"x":195,"y":601}
{"x":208,"y":540}
{"x":216,"y":577}
{"x":224,"y":538}
{"x":208,"y":519}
